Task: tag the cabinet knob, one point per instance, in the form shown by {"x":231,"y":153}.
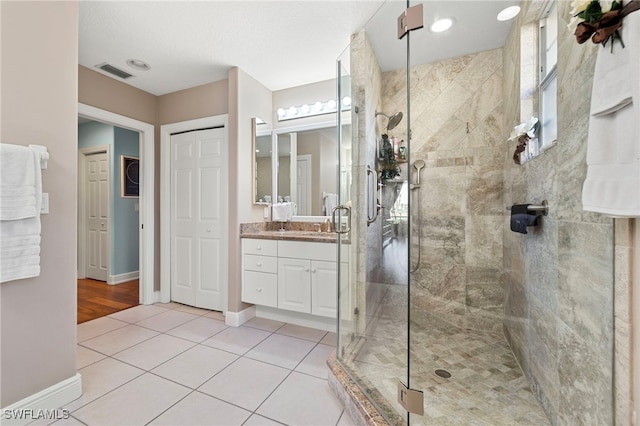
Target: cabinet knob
{"x":313,"y":270}
{"x":208,"y":230}
{"x":259,"y":289}
{"x":258,"y":248}
{"x":259,"y":264}
{"x":306,"y":269}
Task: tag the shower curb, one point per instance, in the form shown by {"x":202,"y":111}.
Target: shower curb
{"x":356,"y":404}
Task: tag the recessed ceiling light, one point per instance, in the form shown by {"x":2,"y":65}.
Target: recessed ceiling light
{"x":138,"y":64}
{"x":441,"y":25}
{"x":508,"y":13}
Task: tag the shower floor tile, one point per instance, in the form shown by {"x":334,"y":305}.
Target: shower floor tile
{"x":486,"y":386}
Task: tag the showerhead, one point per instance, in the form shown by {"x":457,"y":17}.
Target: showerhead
{"x":394,"y":120}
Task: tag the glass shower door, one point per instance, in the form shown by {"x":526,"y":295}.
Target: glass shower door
{"x":374,"y":253}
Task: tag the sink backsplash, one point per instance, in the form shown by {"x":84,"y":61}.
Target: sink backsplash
{"x":288,"y":226}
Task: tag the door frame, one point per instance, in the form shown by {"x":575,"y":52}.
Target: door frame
{"x":147,"y":294}
{"x":82,"y":207}
{"x":165,"y":196}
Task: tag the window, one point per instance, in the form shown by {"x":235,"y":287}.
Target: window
{"x":548,"y":86}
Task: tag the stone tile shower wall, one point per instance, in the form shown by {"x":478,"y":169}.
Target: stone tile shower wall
{"x":559,"y":277}
{"x":456,"y":115}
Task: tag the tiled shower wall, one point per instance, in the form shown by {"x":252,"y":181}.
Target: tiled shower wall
{"x":559,"y":277}
{"x":457,"y":117}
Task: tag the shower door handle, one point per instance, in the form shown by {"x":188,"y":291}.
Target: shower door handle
{"x":373,"y":207}
{"x":339,"y":229}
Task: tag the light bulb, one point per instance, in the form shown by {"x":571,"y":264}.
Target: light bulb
{"x":281,"y":112}
{"x":292,"y":111}
{"x":305,"y":109}
{"x":331,"y":104}
{"x":346,"y":101}
{"x":317,"y":106}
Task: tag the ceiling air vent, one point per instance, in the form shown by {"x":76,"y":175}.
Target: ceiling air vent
{"x":114,"y":71}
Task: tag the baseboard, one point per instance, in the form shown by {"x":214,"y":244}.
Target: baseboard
{"x":44,"y":404}
{"x":123,"y":278}
{"x":236,"y":319}
{"x":297,"y":318}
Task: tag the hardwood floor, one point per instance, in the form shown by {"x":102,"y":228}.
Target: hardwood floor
{"x":97,"y":299}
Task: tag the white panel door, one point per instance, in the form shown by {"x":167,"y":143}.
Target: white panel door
{"x":97,"y":199}
{"x":199,"y":218}
{"x":303,"y":185}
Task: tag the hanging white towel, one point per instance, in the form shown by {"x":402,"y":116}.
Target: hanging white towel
{"x":612,"y":185}
{"x":20,"y":200}
{"x":330,"y":201}
{"x":282,"y":212}
{"x":20,"y":182}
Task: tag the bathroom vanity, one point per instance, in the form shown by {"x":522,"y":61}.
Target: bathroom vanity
{"x":291,"y":276}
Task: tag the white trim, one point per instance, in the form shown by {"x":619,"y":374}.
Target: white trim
{"x":635,"y":325}
{"x":296,"y":318}
{"x":147,"y":191}
{"x":51,"y":398}
{"x":165,"y":195}
{"x":122,"y":278}
{"x":235,"y":319}
{"x":82,"y":206}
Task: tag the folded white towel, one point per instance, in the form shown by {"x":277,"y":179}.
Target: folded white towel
{"x":20,"y":182}
{"x":282,"y":212}
{"x":19,"y":248}
{"x":612,"y":185}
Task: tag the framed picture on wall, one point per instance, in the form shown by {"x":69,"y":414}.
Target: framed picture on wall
{"x":129,"y":177}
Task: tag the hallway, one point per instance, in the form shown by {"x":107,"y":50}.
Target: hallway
{"x":97,"y":299}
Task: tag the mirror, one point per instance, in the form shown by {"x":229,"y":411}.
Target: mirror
{"x":307,"y":168}
{"x":262,"y":161}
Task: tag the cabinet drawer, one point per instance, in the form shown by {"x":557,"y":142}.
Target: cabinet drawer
{"x":260,"y":288}
{"x":307,"y":250}
{"x":260,"y":247}
{"x":257,"y":263}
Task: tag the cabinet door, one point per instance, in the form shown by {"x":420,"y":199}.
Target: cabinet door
{"x":324,"y":295}
{"x":294,"y":284}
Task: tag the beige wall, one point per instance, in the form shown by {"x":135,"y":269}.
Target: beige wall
{"x":39,"y":105}
{"x":308,"y":94}
{"x":247,"y":98}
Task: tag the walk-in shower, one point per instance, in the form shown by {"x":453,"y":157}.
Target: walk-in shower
{"x":446,"y":303}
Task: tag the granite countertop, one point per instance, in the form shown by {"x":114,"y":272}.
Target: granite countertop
{"x":313,"y":236}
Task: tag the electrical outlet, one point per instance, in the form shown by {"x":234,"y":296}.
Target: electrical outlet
{"x":44,"y":208}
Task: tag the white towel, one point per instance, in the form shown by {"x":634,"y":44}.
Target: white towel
{"x":612,"y":185}
{"x":20,"y":200}
{"x":282,"y":212}
{"x":330,"y":202}
{"x":20,"y":182}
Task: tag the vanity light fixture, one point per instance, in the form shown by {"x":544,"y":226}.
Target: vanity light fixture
{"x":508,"y":13}
{"x":441,"y":25}
{"x":309,"y":110}
{"x":138,"y":64}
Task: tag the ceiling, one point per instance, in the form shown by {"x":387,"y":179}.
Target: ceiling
{"x":281,"y":43}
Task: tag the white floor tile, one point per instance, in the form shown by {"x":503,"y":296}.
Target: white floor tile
{"x":71,"y":421}
{"x":138,"y":313}
{"x":195,"y":366}
{"x":135,"y":403}
{"x":256,"y":420}
{"x":102,"y":377}
{"x":198,"y":409}
{"x":302,"y":400}
{"x":283,"y":351}
{"x":330,"y":339}
{"x":215,"y":315}
{"x":316,"y":362}
{"x":86,"y":356}
{"x":90,"y":329}
{"x":153,"y":352}
{"x":119,"y":340}
{"x":346,"y":420}
{"x":166,"y":320}
{"x":302,"y":332}
{"x":237,"y":339}
{"x":245,"y":383}
{"x":198,"y":330}
{"x":263,"y":324}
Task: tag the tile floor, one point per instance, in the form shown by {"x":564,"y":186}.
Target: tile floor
{"x":170,"y":364}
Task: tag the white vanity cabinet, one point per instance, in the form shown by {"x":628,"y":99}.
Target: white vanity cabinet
{"x":260,"y":272}
{"x":305,"y":275}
